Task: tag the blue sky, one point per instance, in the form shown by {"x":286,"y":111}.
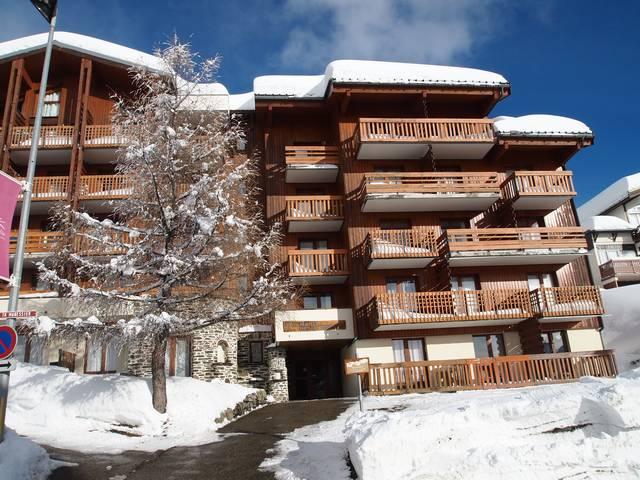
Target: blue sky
{"x":578,"y":58}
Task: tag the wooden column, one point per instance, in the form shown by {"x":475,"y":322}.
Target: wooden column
{"x":10,"y":110}
{"x":80,"y":121}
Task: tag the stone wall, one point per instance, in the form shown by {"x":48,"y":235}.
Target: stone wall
{"x":139,"y":359}
{"x":278,"y":386}
{"x":253,"y":374}
{"x":214,"y":352}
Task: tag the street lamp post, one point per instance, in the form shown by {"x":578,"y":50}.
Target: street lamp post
{"x":48,"y":8}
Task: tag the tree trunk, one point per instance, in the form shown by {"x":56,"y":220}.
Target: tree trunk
{"x":158,"y":377}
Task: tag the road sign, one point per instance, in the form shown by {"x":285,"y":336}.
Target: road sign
{"x":23,"y":314}
{"x":8,"y":341}
{"x":8,"y":365}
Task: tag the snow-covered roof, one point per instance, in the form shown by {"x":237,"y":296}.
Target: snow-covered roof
{"x":242,"y":101}
{"x":540,"y":125}
{"x":606,"y":223}
{"x":611,"y":196}
{"x":372,"y":73}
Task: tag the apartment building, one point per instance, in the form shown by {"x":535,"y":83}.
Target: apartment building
{"x":438,"y":242}
{"x":612,"y":221}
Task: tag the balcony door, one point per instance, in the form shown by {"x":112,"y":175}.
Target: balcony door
{"x":403,"y":288}
{"x":467,"y":302}
{"x":539,"y":280}
{"x":311,"y":263}
{"x":408,"y":350}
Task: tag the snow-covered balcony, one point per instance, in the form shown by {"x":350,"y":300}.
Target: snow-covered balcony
{"x":410,"y":138}
{"x":318,"y":267}
{"x":429,"y":191}
{"x":100,"y":144}
{"x":407,"y":248}
{"x":470,"y":247}
{"x":46,"y":191}
{"x":312,"y":325}
{"x":96,"y":191}
{"x":543,"y":190}
{"x":621,"y":270}
{"x":313,"y":164}
{"x":54,"y":147}
{"x":566,"y":302}
{"x":397,"y":311}
{"x":483,"y":373}
{"x":315,"y":213}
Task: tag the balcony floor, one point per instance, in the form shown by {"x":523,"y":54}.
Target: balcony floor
{"x":423,"y":202}
{"x":46,"y":156}
{"x":312,"y":173}
{"x":319,"y":279}
{"x":310,"y":226}
{"x":488,"y":258}
{"x":542,"y":202}
{"x":400,"y":150}
{"x":444,"y":323}
{"x":399,"y":263}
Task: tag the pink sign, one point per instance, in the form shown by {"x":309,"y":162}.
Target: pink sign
{"x":10,"y":188}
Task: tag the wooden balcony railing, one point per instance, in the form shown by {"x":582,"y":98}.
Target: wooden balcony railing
{"x":407,"y":243}
{"x":623,"y":267}
{"x":37,"y":241}
{"x":49,"y":188}
{"x":54,"y":136}
{"x":451,"y":306}
{"x":524,"y":183}
{"x":101,"y":136}
{"x":488,"y":373}
{"x":309,"y":263}
{"x":420,"y":130}
{"x":470,"y":239}
{"x":315,"y":207}
{"x":99,"y":187}
{"x":567,"y":301}
{"x":431,"y":182}
{"x":312,"y":155}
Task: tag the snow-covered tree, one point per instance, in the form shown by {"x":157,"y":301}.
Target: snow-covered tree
{"x":189,"y":246}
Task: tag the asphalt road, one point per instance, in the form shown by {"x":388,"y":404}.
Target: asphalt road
{"x":237,"y":456}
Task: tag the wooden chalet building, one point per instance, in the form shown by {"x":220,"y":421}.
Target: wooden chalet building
{"x":438,"y":242}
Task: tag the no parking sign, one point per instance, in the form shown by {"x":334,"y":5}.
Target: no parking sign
{"x":8,"y":341}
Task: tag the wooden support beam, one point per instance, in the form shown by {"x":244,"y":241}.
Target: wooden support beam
{"x":344,"y":104}
{"x":11,"y":110}
{"x":80,"y":121}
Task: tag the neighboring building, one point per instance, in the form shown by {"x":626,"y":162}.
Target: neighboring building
{"x":612,"y":220}
{"x":421,"y":229}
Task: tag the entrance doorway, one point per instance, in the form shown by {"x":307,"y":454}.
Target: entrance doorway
{"x":313,"y":374}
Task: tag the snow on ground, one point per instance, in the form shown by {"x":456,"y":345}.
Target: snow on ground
{"x":589,"y":429}
{"x":21,"y":459}
{"x":112,"y":413}
{"x":621,"y":332}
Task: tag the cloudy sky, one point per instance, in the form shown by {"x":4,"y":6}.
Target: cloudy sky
{"x":568,"y":57}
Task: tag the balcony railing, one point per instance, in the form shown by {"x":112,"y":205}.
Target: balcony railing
{"x":36,"y":241}
{"x":310,"y":263}
{"x":628,"y":268}
{"x":312,"y":155}
{"x":418,"y":130}
{"x":53,"y":136}
{"x":451,"y":306}
{"x":538,"y":183}
{"x":405,"y":243}
{"x":101,"y":136}
{"x":102,"y":187}
{"x":470,"y":239}
{"x":567,"y":301}
{"x":49,"y":188}
{"x":488,"y":373}
{"x":431,"y":182}
{"x":315,"y":207}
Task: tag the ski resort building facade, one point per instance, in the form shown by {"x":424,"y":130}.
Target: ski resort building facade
{"x":441,"y":244}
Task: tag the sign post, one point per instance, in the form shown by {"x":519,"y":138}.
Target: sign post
{"x":359,"y":367}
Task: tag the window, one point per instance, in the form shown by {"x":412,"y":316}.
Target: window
{"x":633,"y":215}
{"x":401,"y":285}
{"x":317,"y":300}
{"x":313,"y":244}
{"x":613,"y":251}
{"x":486,"y":346}
{"x":51,"y":104}
{"x":537,"y":280}
{"x":408,"y":350}
{"x":447,"y":223}
{"x":256,"y":352}
{"x":555,"y":342}
{"x":396,"y":224}
{"x":177,"y":357}
{"x":222,"y":352}
{"x":468,"y":302}
{"x":101,"y":357}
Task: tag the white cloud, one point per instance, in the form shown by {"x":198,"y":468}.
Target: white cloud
{"x":431,"y":31}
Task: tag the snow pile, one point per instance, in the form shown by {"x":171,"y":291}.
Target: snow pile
{"x":588,"y":429}
{"x":622,"y":325}
{"x":112,"y":413}
{"x":21,"y":459}
{"x":540,"y":125}
{"x":606,"y":223}
{"x":615,"y":193}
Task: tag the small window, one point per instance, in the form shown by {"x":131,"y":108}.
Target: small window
{"x":447,"y":223}
{"x":486,"y":346}
{"x":401,"y":285}
{"x":51,"y":104}
{"x":408,"y":350}
{"x":317,"y":300}
{"x":256,"y":352}
{"x":222,"y":352}
{"x":395,"y":224}
{"x":177,"y":359}
{"x":314,"y":244}
{"x":555,"y":342}
{"x":101,"y":357}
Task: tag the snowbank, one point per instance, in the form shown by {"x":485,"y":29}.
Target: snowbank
{"x":622,"y":325}
{"x":21,"y":459}
{"x":588,"y":429}
{"x":541,"y":125}
{"x":112,"y":413}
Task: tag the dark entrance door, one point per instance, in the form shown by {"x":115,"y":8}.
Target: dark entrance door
{"x":313,"y":374}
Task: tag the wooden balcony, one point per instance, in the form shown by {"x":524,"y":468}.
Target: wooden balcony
{"x":621,"y":270}
{"x":566,"y":302}
{"x":318,"y":267}
{"x":429,"y":191}
{"x":105,"y":187}
{"x":315,"y":213}
{"x":312,"y":164}
{"x":101,"y":136}
{"x":410,"y":138}
{"x":515,"y":246}
{"x":488,"y":373}
{"x":538,"y":190}
{"x":49,"y":189}
{"x":397,"y":311}
{"x":51,"y":137}
{"x":408,"y":248}
{"x":38,"y":242}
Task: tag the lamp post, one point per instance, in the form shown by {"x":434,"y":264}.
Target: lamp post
{"x":48,"y":9}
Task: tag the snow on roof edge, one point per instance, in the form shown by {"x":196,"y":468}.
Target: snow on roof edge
{"x":606,"y":223}
{"x":540,"y":125}
{"x":614,"y":194}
